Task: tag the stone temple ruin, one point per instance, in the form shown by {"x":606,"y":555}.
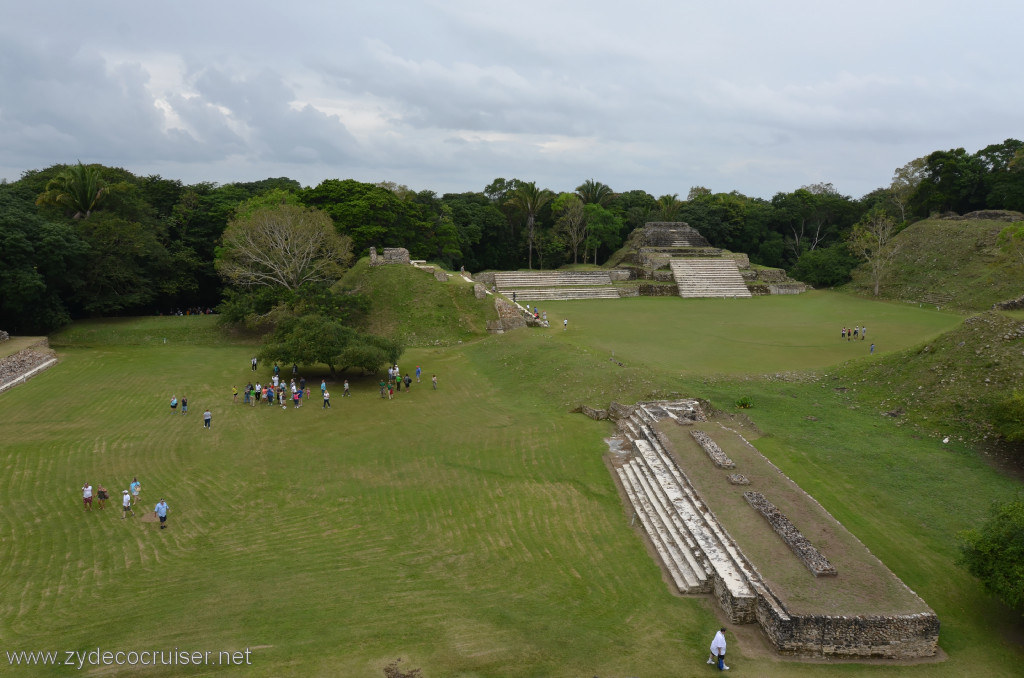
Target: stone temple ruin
{"x":660,"y":259}
{"x":810,"y":585}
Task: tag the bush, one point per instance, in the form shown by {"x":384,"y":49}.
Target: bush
{"x":744,"y":403}
{"x":994,"y":553}
{"x":825,"y":267}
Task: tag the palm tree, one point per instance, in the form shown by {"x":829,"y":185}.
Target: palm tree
{"x":594,"y":192}
{"x":669,"y":207}
{"x":529,"y":200}
{"x":78,"y":188}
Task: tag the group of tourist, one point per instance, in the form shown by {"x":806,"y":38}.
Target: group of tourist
{"x":395,"y":380}
{"x":858,"y":331}
{"x":279,"y":393}
{"x":207,"y":414}
{"x":129,"y":498}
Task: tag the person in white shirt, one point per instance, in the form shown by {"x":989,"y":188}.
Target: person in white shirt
{"x":718,"y":650}
{"x":126,"y":504}
{"x":87,"y":496}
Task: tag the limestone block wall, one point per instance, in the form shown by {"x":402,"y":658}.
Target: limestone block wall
{"x":487,"y":278}
{"x":509,"y":314}
{"x":479,"y":291}
{"x":890,"y":637}
{"x":620,"y":274}
{"x":14,"y":369}
{"x":389,"y":255}
{"x":811,"y":557}
{"x":657,"y":291}
{"x":440,"y":276}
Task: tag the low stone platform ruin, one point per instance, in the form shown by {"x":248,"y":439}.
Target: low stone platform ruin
{"x":675,"y":483}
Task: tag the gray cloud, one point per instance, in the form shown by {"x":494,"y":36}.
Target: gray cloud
{"x":756,"y":97}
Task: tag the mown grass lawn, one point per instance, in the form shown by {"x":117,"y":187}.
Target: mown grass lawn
{"x":474,"y":531}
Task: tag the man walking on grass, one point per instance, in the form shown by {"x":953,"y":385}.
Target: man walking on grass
{"x":718,"y":650}
{"x":126,"y":504}
{"x":207,"y":416}
{"x":161,"y":512}
{"x":327,"y":399}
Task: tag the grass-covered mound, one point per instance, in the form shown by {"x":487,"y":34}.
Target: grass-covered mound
{"x":951,"y":263}
{"x":948,"y":385}
{"x":410,"y":305}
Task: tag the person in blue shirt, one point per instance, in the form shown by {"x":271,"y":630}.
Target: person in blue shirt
{"x":136,"y":488}
{"x":418,"y":372}
{"x":161,"y":512}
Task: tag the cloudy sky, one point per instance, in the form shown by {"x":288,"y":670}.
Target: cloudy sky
{"x":753,"y":96}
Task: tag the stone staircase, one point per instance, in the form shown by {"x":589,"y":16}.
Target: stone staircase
{"x":706,"y":277}
{"x":696,"y":552}
{"x":556,"y":285}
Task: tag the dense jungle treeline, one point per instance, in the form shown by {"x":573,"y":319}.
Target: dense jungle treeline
{"x":89,"y":240}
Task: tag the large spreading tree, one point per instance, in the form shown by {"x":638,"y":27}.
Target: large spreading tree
{"x":284,"y":246}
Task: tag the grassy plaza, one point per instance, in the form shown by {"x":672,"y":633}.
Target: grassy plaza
{"x":473,"y":530}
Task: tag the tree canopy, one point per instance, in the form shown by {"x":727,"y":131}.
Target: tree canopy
{"x":994,"y":552}
{"x":284,"y":246}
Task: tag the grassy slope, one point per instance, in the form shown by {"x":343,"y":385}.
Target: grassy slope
{"x":409,"y":304}
{"x":958,"y":260}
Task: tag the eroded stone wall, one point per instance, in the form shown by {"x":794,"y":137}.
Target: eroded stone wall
{"x":811,"y":557}
{"x":389,"y":255}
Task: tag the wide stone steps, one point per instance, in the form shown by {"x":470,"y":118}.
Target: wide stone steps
{"x":511,"y":280}
{"x":708,"y":277}
{"x":675,"y":562}
{"x":694,"y":549}
{"x":562,"y":293}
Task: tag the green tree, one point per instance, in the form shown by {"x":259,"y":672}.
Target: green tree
{"x":952,"y":180}
{"x":317,"y":339}
{"x":994,"y":552}
{"x":669,"y":207}
{"x":373,"y":216}
{"x":872,"y":239}
{"x":528,"y":200}
{"x":282,"y":246}
{"x":905,"y":181}
{"x":604,"y":230}
{"x":572,"y":221}
{"x":129,"y":267}
{"x":41,"y":265}
{"x":825,"y":266}
{"x":595,"y":193}
{"x":79,"y":190}
{"x":484,"y":238}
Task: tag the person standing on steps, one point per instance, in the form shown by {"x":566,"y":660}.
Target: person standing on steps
{"x":718,"y":650}
{"x":161,"y":512}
